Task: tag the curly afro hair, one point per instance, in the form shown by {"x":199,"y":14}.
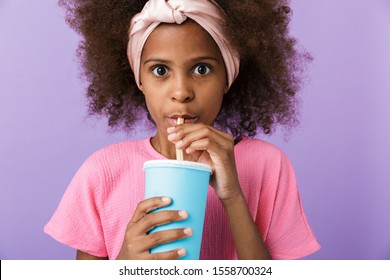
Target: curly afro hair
{"x":263,"y":95}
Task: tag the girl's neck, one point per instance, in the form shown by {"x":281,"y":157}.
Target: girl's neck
{"x":161,"y":144}
{"x":166,"y":148}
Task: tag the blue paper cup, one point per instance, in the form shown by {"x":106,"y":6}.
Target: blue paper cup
{"x":186,"y":183}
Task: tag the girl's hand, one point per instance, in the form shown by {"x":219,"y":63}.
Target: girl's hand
{"x":208,"y":145}
{"x":137,"y":242}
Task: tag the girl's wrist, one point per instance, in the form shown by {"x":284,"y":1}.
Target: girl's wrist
{"x":232,"y":198}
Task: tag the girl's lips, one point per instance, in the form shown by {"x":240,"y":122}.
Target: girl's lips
{"x":187,"y":119}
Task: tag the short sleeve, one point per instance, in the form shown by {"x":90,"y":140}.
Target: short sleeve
{"x":289,"y":235}
{"x":77,"y":220}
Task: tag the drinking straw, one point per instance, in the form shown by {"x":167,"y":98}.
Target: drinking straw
{"x":179,"y":152}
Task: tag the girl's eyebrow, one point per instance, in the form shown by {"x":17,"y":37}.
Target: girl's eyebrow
{"x":159,"y":60}
{"x":195,"y":59}
{"x":200,"y":58}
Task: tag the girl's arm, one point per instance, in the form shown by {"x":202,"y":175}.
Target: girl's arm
{"x":246,"y":236}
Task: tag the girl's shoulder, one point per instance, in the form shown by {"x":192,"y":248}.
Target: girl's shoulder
{"x":258,"y":147}
{"x":257,"y":154}
{"x":123,"y":147}
{"x":115,"y":155}
{"x":105,"y":168}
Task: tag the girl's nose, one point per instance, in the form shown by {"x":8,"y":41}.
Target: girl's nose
{"x":182,"y":90}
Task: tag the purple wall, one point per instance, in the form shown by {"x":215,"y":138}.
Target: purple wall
{"x":341,"y":151}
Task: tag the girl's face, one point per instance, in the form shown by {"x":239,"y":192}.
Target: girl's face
{"x":182,"y":74}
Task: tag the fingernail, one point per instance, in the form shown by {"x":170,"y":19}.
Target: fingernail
{"x":188,"y":231}
{"x":181,"y":252}
{"x":183,"y":214}
{"x":171,"y":129}
{"x":166,"y":199}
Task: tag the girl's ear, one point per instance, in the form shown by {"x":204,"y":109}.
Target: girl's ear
{"x":226,"y":89}
{"x":141,"y":86}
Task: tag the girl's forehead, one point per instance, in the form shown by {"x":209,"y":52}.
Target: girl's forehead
{"x":186,"y":37}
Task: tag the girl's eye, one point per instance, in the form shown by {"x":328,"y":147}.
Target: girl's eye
{"x":160,"y":71}
{"x":202,"y":69}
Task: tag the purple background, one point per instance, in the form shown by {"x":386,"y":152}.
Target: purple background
{"x":341,"y":150}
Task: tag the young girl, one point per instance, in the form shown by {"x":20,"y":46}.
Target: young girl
{"x":230,"y":69}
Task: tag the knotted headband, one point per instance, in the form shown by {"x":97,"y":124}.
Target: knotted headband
{"x":204,"y":12}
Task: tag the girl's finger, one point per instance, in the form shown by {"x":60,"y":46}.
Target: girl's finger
{"x":161,"y":237}
{"x":217,"y":152}
{"x":152,"y":220}
{"x":199,"y":145}
{"x":170,"y":255}
{"x":147,"y":205}
{"x":188,"y":137}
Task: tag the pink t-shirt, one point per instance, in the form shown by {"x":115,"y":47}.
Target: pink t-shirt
{"x":100,"y":200}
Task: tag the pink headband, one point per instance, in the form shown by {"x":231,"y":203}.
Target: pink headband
{"x":204,"y":12}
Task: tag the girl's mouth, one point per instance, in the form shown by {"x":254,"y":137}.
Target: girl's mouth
{"x":187,"y":119}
